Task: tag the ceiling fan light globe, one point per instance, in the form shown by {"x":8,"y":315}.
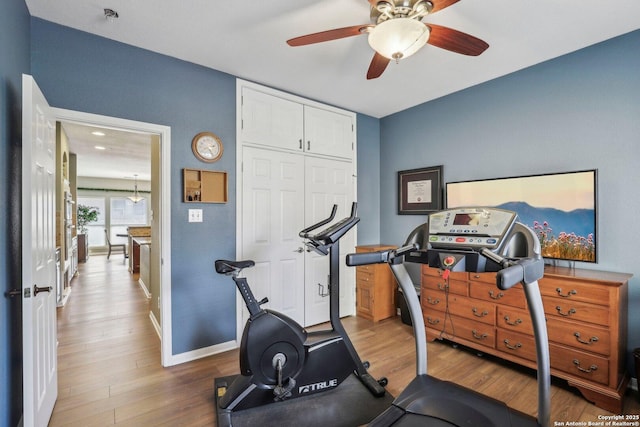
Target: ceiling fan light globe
{"x":398,"y":38}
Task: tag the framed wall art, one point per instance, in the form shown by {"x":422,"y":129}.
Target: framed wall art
{"x":420,"y":191}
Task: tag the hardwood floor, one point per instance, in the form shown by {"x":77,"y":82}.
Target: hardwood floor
{"x":109,"y":369}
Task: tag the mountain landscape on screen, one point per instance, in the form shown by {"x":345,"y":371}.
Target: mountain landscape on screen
{"x":563,"y":235}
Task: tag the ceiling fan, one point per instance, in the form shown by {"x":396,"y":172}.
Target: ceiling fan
{"x":398,"y":32}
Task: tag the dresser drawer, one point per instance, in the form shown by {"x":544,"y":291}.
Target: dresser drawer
{"x":436,"y":272}
{"x":490,"y":292}
{"x":514,"y":319}
{"x":575,"y":310}
{"x":478,"y":333}
{"x":580,"y":336}
{"x":458,"y":287}
{"x":580,"y":364}
{"x":435,"y":320}
{"x":516,"y":344}
{"x":433,"y":300}
{"x":363,"y":271}
{"x":571,"y":290}
{"x":483,"y":277}
{"x":473,"y":309}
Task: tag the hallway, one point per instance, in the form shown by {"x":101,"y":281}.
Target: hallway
{"x":109,"y":367}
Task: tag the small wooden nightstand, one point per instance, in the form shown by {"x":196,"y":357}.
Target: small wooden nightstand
{"x":375,"y":288}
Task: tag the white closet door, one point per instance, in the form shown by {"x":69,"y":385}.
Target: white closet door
{"x":328,"y":182}
{"x":272,"y":217}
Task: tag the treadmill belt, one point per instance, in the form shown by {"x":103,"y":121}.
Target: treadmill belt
{"x":350,"y":404}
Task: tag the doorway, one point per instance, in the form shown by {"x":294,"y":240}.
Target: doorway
{"x":160,"y":209}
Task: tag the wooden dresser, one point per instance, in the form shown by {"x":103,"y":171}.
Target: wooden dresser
{"x":586,"y":321}
{"x":375,"y":288}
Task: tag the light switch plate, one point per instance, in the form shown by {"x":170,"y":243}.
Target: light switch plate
{"x":195,"y":215}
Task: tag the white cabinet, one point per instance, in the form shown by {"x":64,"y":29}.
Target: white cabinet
{"x":270,"y":120}
{"x":327,"y":132}
{"x":296,"y":159}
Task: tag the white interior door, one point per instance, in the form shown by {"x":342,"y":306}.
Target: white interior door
{"x":328,"y":182}
{"x":40,"y":373}
{"x":272,"y":217}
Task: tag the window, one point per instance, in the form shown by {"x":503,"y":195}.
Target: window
{"x":125,"y":213}
{"x":95,"y":230}
{"x":115,"y":214}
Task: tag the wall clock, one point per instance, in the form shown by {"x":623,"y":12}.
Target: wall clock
{"x":207,"y":147}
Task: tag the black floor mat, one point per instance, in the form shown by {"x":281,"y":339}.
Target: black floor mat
{"x":348,"y":405}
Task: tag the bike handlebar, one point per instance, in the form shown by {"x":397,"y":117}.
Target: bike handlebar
{"x":334,"y":232}
{"x":305,"y":233}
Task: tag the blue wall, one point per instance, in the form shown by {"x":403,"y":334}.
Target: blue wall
{"x":79,"y":71}
{"x":579,"y":111}
{"x":14,"y":60}
{"x":368,"y":180}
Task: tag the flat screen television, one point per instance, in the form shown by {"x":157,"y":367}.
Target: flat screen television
{"x":560,"y":207}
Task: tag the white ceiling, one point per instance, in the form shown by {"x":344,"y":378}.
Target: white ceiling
{"x":247,"y":40}
{"x":124,"y":155}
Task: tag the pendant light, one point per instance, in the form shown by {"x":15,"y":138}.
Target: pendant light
{"x":135,"y":198}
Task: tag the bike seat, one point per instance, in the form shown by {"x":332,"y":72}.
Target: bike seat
{"x":226,"y":267}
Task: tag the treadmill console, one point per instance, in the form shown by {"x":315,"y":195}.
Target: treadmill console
{"x":470,"y":228}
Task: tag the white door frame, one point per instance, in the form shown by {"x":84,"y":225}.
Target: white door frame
{"x":165,"y":208}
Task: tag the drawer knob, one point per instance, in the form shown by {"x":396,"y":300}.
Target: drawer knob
{"x":494,"y":296}
{"x":591,"y":340}
{"x":443,"y":287}
{"x":514,"y":323}
{"x":432,"y":321}
{"x":510,"y":346}
{"x":567,"y":314}
{"x":568,"y":294}
{"x":581,"y":369}
{"x":482,"y":314}
{"x":478,"y":336}
{"x":433,"y":301}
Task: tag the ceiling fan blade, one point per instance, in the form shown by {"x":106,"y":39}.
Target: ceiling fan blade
{"x":378,"y":65}
{"x":325,"y":36}
{"x":441,"y":4}
{"x":455,"y":41}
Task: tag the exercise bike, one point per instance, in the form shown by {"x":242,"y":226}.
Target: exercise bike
{"x":473,"y":240}
{"x":279,"y":359}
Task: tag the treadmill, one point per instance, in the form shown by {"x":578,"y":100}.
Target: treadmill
{"x":472,"y":239}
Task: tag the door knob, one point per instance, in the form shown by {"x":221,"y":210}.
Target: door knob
{"x":37,"y":289}
{"x":299,"y":250}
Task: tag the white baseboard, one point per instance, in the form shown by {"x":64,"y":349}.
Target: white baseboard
{"x":203,"y":352}
{"x":144,"y":288}
{"x":156,"y":325}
